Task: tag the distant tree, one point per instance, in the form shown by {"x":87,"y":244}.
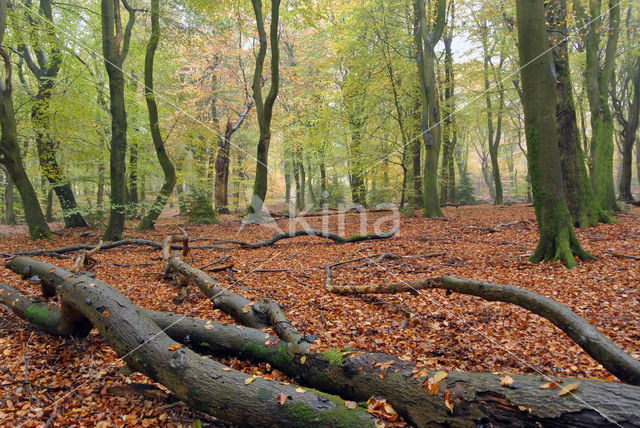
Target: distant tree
{"x":45,"y":64}
{"x":558,"y":240}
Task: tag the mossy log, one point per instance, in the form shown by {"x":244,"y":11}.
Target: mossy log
{"x":594,"y":343}
{"x":200,"y":382}
{"x":477,"y":398}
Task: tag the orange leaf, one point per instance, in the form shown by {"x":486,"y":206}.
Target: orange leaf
{"x":106,"y":313}
{"x":350,"y":404}
{"x":174,"y":347}
{"x":282,"y":398}
{"x":52,"y":270}
{"x":448,"y":404}
{"x":506,"y":381}
{"x":245,"y":309}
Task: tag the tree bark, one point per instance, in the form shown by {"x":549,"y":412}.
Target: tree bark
{"x":115,"y":47}
{"x":557,"y":237}
{"x":597,"y":82}
{"x":149,"y":220}
{"x":264,"y":108}
{"x":581,"y":201}
{"x":426,"y":38}
{"x":448,"y":173}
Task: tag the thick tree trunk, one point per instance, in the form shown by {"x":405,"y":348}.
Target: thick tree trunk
{"x":557,"y":237}
{"x":581,"y":200}
{"x":169,"y":171}
{"x":426,"y":37}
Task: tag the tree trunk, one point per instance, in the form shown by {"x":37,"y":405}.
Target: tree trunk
{"x":426,"y":38}
{"x":448,"y":174}
{"x":132,"y":192}
{"x":557,"y":237}
{"x":169,"y":171}
{"x":45,"y":72}
{"x":9,"y":212}
{"x":581,"y":201}
{"x":115,"y":47}
{"x":264,"y":108}
{"x":597,"y":82}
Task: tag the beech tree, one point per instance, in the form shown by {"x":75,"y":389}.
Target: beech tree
{"x":558,"y":240}
{"x":264,"y":106}
{"x":115,"y":47}
{"x":45,"y":64}
{"x":598,"y":76}
{"x":148,"y":221}
{"x":427,"y":34}
{"x":10,"y":155}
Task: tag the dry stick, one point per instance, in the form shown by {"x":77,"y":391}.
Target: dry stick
{"x":594,"y":343}
{"x":324,"y":214}
{"x":357,"y":376}
{"x":263,"y":313}
{"x":215,"y":262}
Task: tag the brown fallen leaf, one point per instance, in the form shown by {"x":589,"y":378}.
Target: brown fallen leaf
{"x":282,"y":398}
{"x":567,"y":389}
{"x":506,"y":380}
{"x":447,"y":401}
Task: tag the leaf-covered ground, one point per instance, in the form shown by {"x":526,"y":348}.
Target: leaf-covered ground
{"x":434,"y":330}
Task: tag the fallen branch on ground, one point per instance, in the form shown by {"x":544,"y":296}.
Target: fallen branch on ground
{"x":594,"y":343}
{"x":475,"y":397}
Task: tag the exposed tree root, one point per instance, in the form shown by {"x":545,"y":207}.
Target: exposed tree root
{"x":602,"y":349}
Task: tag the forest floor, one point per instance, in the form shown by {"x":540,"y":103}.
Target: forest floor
{"x":434,"y":330}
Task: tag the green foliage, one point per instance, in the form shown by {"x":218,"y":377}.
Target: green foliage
{"x":464,"y":190}
{"x":198,"y":207}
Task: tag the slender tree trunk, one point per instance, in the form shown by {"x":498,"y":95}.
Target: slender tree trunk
{"x":149,"y":220}
{"x":264,"y":108}
{"x":581,"y":201}
{"x":557,"y":238}
{"x":323,"y":180}
{"x":100,"y":193}
{"x":115,"y":47}
{"x":132,"y":193}
{"x":448,"y":173}
{"x":312,"y":196}
{"x":597,"y":81}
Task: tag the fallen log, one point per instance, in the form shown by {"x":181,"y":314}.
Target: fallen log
{"x":200,"y":382}
{"x":311,"y":232}
{"x":256,"y":314}
{"x":594,"y":343}
{"x":476,"y":399}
